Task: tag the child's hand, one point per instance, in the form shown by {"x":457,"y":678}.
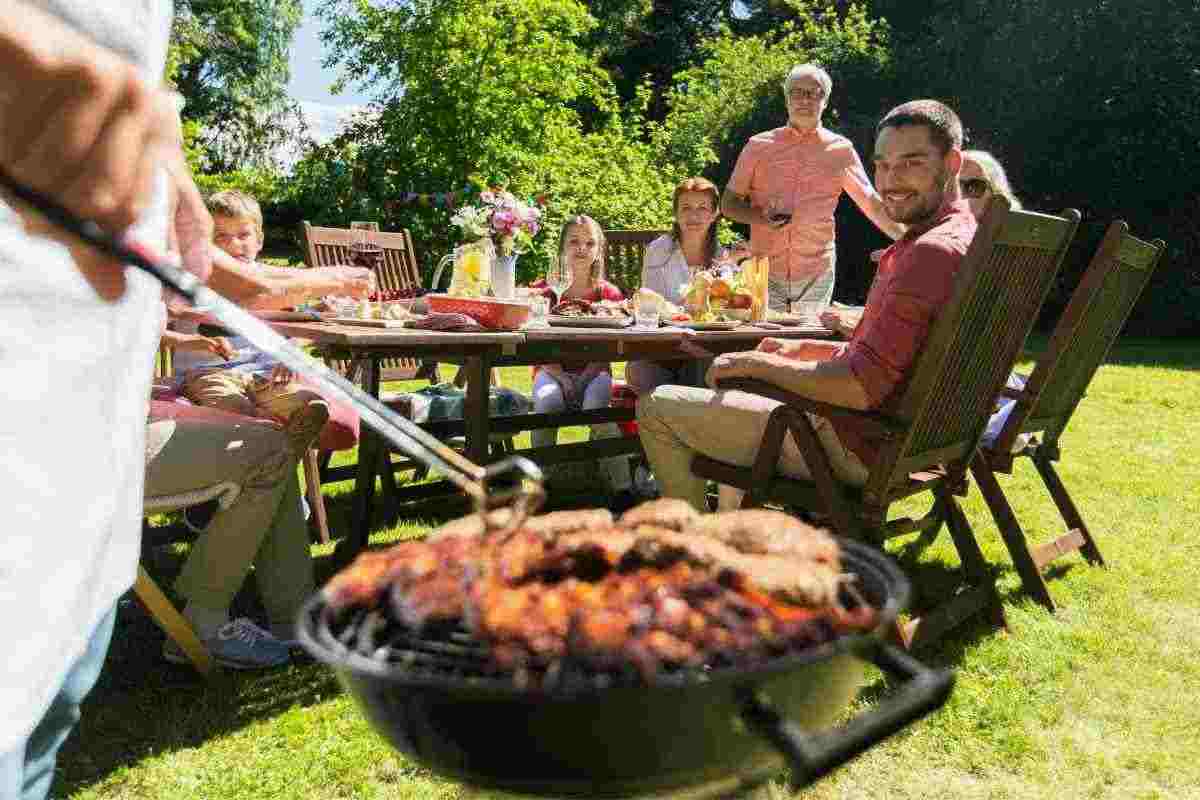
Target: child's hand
{"x":281,"y":375}
{"x":220,"y":345}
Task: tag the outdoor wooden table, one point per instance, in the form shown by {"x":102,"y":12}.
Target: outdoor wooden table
{"x":477,"y":353}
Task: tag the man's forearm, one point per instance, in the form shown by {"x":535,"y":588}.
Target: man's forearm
{"x":830,"y":381}
{"x":738,"y":209}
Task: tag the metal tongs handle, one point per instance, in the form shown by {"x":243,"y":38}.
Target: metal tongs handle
{"x":526,"y":494}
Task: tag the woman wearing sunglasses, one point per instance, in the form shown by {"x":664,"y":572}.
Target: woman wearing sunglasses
{"x":982,"y":177}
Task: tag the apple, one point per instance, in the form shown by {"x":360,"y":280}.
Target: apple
{"x":741,"y":299}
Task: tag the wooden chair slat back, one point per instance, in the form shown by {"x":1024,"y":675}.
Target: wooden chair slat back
{"x":325,"y":247}
{"x":623,"y":257}
{"x":1090,"y":324}
{"x":998,"y":290}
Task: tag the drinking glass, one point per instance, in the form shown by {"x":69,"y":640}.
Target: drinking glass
{"x":779,"y":210}
{"x":646,"y":315}
{"x":558,"y":275}
{"x":809,"y":310}
{"x":539,"y":307}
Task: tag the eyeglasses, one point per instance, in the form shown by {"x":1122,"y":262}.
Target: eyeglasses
{"x":974,"y":188}
{"x":806,"y":94}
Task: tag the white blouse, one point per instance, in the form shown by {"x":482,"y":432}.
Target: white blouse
{"x":665,"y":269}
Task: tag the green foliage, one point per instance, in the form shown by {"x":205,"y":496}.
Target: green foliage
{"x":229,"y":59}
{"x":492,"y":96}
{"x":1092,"y":105}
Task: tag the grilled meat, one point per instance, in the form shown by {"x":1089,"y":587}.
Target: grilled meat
{"x":662,"y":587}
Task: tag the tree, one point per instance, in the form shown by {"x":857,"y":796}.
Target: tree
{"x":1092,"y":104}
{"x":229,"y":60}
{"x":481,"y":93}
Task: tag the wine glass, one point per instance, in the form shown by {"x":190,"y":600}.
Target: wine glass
{"x":779,"y":211}
{"x":364,"y":251}
{"x":558,"y":275}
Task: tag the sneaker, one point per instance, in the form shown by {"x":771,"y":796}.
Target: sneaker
{"x":196,"y":518}
{"x":238,"y":644}
{"x":305,"y":426}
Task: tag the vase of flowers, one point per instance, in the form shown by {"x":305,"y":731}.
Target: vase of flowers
{"x":508,"y":224}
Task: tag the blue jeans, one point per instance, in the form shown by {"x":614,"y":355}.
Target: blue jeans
{"x":27,"y":770}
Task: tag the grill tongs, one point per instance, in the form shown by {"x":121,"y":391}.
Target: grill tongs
{"x":519,"y":479}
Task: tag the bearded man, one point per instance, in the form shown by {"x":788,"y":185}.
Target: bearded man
{"x":918,"y":156}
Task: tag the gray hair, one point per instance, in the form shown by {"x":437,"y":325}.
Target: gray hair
{"x":995,"y":174}
{"x":814,"y":71}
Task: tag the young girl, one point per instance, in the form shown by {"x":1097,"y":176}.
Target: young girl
{"x":587,"y":386}
{"x":670,"y":262}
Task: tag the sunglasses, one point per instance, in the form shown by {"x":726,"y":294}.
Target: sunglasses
{"x":974,"y":188}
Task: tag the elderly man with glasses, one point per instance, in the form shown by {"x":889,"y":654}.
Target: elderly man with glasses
{"x":786,"y":185}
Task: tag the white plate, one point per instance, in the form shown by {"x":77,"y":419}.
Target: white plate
{"x":715,"y":325}
{"x":288,"y":316}
{"x":367,"y":323}
{"x":795,"y":319}
{"x":558,"y":320}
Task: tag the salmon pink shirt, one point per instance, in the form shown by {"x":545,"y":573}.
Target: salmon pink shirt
{"x":805,"y":171}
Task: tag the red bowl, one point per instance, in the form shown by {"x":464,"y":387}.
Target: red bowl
{"x":501,"y":315}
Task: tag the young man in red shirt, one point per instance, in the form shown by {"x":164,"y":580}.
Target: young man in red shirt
{"x":918,"y":156}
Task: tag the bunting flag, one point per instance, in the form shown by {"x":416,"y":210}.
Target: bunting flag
{"x":449,"y":200}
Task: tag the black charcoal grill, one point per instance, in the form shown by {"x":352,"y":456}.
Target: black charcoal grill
{"x":574,"y":732}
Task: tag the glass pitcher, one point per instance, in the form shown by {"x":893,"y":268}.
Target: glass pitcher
{"x":472,"y":269}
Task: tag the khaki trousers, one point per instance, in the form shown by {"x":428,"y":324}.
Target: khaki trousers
{"x":264,"y":527}
{"x":677,"y":422}
{"x":248,"y":394}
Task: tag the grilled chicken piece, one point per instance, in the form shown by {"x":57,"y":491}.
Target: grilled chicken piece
{"x":667,"y":512}
{"x":765,"y":532}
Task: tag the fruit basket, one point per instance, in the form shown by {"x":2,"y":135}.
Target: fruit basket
{"x":501,"y":315}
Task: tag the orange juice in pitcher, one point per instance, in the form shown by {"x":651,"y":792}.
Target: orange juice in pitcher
{"x":755,"y":271}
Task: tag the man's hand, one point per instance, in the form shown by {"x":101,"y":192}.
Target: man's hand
{"x":798,"y":349}
{"x":749,"y":364}
{"x":840,"y":321}
{"x":78,"y":124}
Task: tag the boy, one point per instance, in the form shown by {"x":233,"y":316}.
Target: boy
{"x":228,"y":373}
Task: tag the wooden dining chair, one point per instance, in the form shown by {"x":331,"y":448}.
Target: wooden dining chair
{"x":930,"y":434}
{"x":324,"y":247}
{"x":1095,"y":314}
{"x":623,"y":257}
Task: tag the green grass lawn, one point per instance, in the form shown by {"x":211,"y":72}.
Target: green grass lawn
{"x":1101,"y":700}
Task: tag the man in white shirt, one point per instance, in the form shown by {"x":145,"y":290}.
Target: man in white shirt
{"x":82,"y":121}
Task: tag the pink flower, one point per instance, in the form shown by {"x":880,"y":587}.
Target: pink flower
{"x":504,"y":221}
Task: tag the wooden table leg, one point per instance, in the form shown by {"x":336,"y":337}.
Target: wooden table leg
{"x":475,"y":408}
{"x":369,"y":447}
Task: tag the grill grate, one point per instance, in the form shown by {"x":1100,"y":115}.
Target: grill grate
{"x":450,"y":654}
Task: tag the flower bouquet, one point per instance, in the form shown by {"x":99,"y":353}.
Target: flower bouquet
{"x":504,"y":226}
{"x":509,"y":223}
